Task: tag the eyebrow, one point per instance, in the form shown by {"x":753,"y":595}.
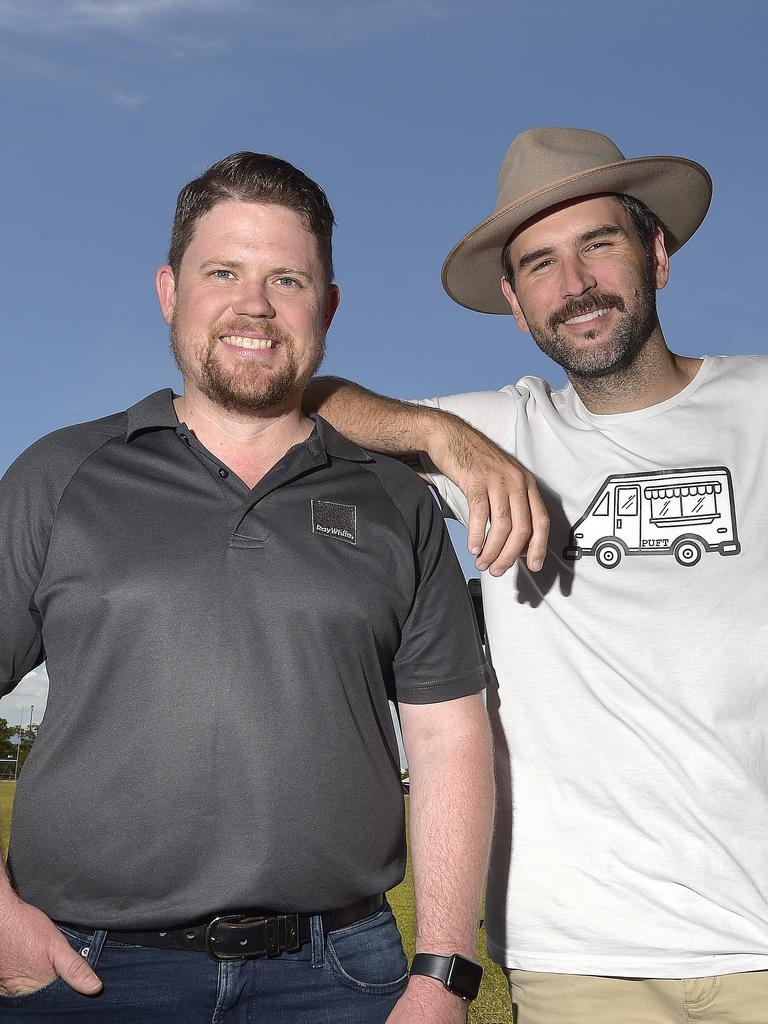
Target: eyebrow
{"x":603,"y":231}
{"x":531,"y":257}
{"x":229,"y":264}
{"x":293,"y":271}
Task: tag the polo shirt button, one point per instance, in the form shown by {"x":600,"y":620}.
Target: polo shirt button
{"x":223,"y":473}
{"x":184,"y":438}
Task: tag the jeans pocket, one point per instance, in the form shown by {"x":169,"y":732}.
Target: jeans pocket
{"x":368,"y":956}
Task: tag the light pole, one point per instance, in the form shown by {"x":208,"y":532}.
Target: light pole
{"x":21,"y":733}
{"x":18,"y":745}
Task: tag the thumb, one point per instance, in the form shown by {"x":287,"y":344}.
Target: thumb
{"x":74,"y":970}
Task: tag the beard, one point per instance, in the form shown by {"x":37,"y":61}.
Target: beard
{"x":247,"y":387}
{"x":611,"y":354}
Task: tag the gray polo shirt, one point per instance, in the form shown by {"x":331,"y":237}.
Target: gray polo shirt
{"x":217,"y":732}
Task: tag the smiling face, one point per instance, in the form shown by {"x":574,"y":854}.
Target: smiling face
{"x":585,"y":287}
{"x":249,"y":308}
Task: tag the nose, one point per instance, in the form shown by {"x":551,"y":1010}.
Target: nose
{"x":252,"y":300}
{"x":577,"y":278}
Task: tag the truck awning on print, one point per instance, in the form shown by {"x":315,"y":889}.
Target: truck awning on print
{"x":683,"y":491}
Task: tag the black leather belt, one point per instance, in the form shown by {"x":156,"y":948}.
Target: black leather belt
{"x":246,"y":935}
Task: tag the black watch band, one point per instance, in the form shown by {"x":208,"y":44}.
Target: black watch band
{"x":459,"y":975}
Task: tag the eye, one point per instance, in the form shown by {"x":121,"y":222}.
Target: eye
{"x":598,"y":245}
{"x":542,"y":265}
{"x":287,"y":282}
{"x":223,"y":275}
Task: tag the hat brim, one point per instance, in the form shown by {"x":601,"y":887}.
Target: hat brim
{"x":676,"y":190}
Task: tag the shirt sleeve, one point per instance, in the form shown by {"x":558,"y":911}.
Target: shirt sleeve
{"x":30,"y":493}
{"x":493,"y":413}
{"x":24,"y":531}
{"x":440,"y":656}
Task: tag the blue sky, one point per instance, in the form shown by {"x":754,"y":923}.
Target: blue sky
{"x":402,"y":110}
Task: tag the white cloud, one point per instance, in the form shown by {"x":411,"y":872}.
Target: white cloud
{"x":31,"y":692}
{"x":45,"y":16}
{"x":324,"y":21}
{"x":57,"y":38}
{"x":120,"y":13}
{"x":132,"y":101}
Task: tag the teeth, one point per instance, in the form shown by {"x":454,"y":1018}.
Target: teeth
{"x":233,"y":339}
{"x":586,"y":317}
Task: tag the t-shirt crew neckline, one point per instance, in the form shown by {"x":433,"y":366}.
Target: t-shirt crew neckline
{"x":652,"y":410}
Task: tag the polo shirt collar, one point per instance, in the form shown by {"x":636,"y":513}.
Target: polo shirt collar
{"x":335,"y":444}
{"x":154,"y":411}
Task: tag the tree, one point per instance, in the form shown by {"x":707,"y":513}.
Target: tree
{"x":13,"y":739}
{"x":7,"y":744}
{"x":28,"y":735}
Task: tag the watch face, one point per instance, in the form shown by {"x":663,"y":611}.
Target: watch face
{"x":464,"y":977}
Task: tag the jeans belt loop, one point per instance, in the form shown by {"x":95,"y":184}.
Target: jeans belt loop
{"x":317,"y":936}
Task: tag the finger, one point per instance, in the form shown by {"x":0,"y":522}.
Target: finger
{"x":514,"y":546}
{"x":74,"y":970}
{"x":506,"y":527}
{"x":24,"y":984}
{"x":510,"y":525}
{"x":537,"y":545}
{"x":478,"y":520}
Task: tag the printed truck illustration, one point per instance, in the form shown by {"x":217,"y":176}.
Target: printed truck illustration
{"x":682,"y":512}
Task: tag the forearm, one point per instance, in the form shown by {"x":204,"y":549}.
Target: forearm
{"x":374,"y":421}
{"x":451,"y":817}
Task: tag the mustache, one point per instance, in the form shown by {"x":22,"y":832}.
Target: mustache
{"x":578,"y":307}
{"x":224,"y":328}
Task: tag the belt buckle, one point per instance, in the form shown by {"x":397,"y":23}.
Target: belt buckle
{"x":210,"y":937}
{"x":271,"y":930}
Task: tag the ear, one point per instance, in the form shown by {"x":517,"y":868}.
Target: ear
{"x":661,"y":257}
{"x":332,"y":304}
{"x":514,"y":305}
{"x":165,"y":285}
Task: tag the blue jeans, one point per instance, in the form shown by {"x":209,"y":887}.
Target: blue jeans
{"x":353,"y":975}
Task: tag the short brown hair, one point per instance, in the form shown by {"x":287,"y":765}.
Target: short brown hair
{"x":252,"y":178}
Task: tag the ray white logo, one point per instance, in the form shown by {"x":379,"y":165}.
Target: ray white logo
{"x":331,"y":519}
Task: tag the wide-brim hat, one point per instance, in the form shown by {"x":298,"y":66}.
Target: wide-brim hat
{"x":547,"y":166}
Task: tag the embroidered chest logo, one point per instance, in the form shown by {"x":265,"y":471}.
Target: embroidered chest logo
{"x":679,"y":512}
{"x":332,"y":519}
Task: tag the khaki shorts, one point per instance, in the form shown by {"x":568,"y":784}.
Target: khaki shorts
{"x":580,"y":999}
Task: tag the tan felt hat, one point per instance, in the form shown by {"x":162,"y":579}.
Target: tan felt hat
{"x":547,"y":166}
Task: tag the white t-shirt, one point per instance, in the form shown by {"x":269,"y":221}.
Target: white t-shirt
{"x":632,"y":712}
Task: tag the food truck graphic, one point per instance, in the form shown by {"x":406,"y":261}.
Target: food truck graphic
{"x":682,"y":512}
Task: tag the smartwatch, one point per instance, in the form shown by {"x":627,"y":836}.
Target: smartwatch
{"x":459,"y":975}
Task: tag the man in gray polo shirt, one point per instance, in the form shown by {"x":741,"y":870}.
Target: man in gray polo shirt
{"x":227,"y":594}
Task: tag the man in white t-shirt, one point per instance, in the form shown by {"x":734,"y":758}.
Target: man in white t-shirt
{"x":629,"y":876}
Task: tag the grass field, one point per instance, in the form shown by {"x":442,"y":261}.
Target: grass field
{"x":492,"y":1005}
{"x":7,"y":789}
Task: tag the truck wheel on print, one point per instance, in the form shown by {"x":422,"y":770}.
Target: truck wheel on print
{"x":688,"y":550}
{"x":608,"y":554}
